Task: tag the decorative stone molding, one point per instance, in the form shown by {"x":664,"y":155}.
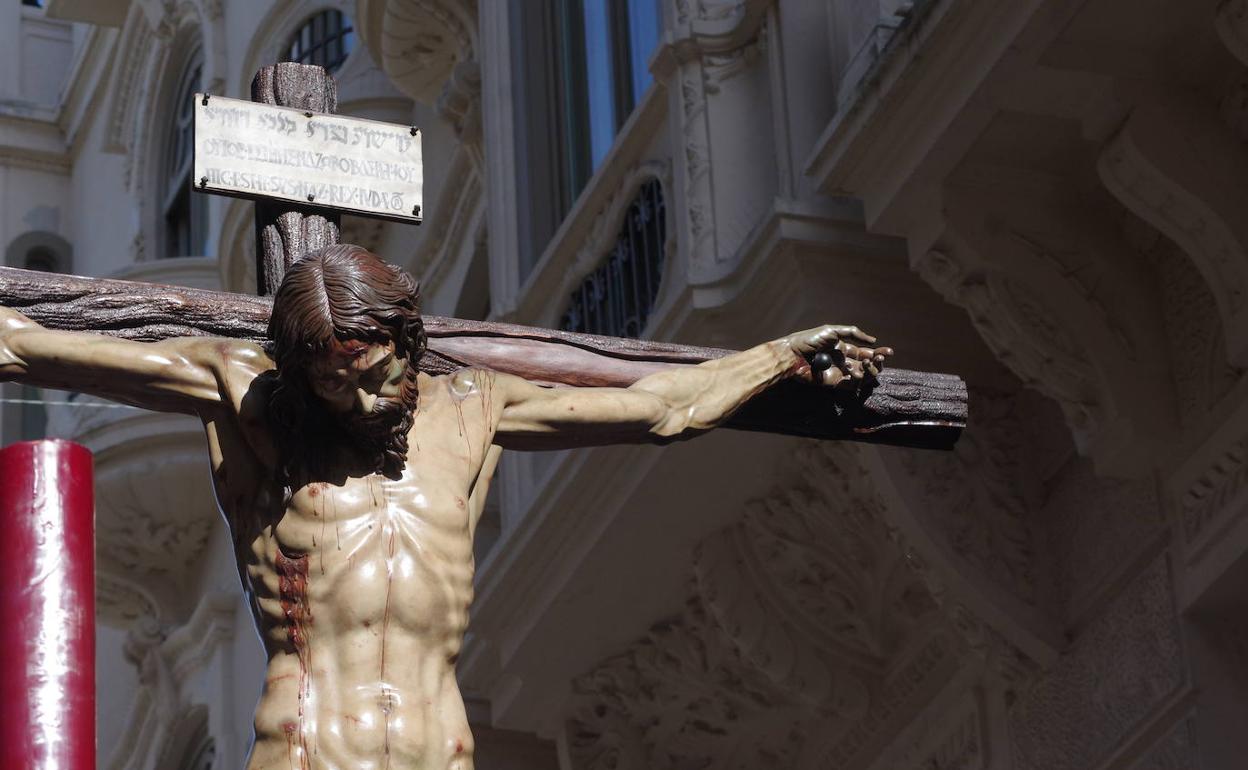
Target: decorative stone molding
{"x":1176,"y":166}
{"x":460,"y":104}
{"x":1175,"y":751}
{"x":146,"y":530}
{"x":455,"y":220}
{"x":962,"y":747}
{"x":166,"y":661}
{"x":422,"y":40}
{"x":975,"y":495}
{"x":806,"y":637}
{"x":156,"y":37}
{"x":710,"y":43}
{"x":1126,"y":666}
{"x":1193,"y":323}
{"x":134,"y":47}
{"x":1205,"y":501}
{"x":1022,"y":331}
{"x":681,"y":697}
{"x":1064,"y":304}
{"x":121,"y":602}
{"x":965,"y":522}
{"x":719,"y":25}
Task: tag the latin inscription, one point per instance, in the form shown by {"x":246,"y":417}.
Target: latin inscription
{"x":260,"y":151}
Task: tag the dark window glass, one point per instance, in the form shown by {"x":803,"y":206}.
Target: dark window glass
{"x":578,"y":68}
{"x":616,"y":299}
{"x":324,"y":39}
{"x":604,"y":47}
{"x":185,"y":214}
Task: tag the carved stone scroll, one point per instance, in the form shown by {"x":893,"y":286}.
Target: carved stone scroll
{"x":907,"y":408}
{"x":1177,"y":166}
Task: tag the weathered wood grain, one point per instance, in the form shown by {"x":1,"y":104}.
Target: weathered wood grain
{"x":904,"y":408}
{"x":286,"y":232}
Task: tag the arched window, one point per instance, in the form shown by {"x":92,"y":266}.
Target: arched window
{"x":185,"y":215}
{"x":616,"y":299}
{"x":325,"y":39}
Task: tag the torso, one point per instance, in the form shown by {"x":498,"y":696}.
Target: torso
{"x":361,"y":587}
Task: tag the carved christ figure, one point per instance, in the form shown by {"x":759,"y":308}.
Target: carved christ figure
{"x":352,"y":484}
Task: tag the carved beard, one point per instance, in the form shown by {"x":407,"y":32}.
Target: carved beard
{"x":382,"y":433}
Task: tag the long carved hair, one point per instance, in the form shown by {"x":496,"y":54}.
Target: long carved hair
{"x":333,"y":295}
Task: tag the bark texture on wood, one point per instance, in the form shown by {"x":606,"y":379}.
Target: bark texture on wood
{"x":284,"y":232}
{"x":905,"y":408}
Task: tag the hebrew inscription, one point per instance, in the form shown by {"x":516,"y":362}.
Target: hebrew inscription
{"x":255,"y":150}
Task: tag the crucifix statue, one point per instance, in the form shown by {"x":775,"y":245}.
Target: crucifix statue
{"x":352,"y":443}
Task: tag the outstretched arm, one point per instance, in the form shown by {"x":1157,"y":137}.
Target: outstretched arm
{"x":680,"y":402}
{"x":180,"y":374}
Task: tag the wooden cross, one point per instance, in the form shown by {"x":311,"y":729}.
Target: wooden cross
{"x":903,"y":408}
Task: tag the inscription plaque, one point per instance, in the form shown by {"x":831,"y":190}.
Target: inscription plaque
{"x":252,"y":150}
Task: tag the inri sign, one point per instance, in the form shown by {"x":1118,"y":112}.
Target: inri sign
{"x":255,"y":150}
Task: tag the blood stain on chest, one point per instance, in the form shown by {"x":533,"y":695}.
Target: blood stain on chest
{"x":292,"y":589}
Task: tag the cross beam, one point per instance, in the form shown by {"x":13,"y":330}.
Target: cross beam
{"x":904,"y":408}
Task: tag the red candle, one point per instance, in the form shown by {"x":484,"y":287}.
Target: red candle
{"x":47,"y":606}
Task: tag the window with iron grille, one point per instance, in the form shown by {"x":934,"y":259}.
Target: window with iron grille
{"x":325,"y":39}
{"x":616,"y":299}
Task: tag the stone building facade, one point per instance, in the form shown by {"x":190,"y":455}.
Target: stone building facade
{"x":1039,"y":195}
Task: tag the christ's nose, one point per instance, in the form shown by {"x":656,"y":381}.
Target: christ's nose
{"x":364,"y":401}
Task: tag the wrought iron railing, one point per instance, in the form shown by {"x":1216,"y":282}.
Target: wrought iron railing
{"x":616,"y":299}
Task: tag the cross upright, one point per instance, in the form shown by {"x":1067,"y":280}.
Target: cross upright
{"x":352,"y":443}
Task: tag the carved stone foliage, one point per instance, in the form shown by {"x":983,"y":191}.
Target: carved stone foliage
{"x":713,"y":42}
{"x":683,"y":697}
{"x":975,"y":495}
{"x":1124,"y":667}
{"x":1021,"y":331}
{"x":806,"y":636}
{"x":1060,"y":299}
{"x":120,"y":602}
{"x":142,"y":523}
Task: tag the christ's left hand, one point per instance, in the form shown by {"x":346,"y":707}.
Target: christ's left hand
{"x":837,"y":356}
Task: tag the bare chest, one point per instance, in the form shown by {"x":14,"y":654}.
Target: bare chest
{"x":423,"y":510}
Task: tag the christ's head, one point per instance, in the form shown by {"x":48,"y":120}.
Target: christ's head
{"x":346,"y":336}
